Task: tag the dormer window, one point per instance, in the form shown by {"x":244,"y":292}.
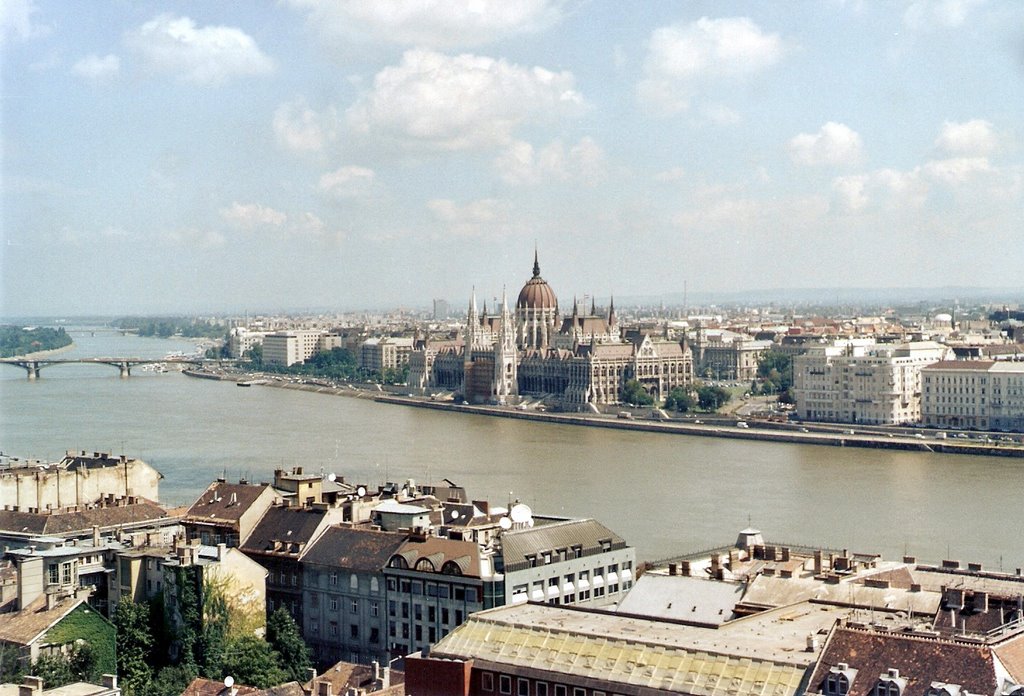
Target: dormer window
{"x":942,"y":689}
{"x":838,"y":680}
{"x":890,"y":683}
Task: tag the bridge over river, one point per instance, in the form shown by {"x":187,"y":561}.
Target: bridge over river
{"x":33,"y":366}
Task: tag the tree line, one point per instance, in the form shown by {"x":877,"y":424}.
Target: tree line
{"x":20,"y":340}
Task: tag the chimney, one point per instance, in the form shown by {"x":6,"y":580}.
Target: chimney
{"x":785,"y":554}
{"x":30,"y":686}
{"x":311,"y":673}
{"x":909,"y":559}
{"x":95,"y":536}
{"x":817,"y":562}
{"x":323,"y":688}
{"x":684,"y":569}
{"x":673,"y":569}
{"x":221,"y":550}
{"x":110,"y":681}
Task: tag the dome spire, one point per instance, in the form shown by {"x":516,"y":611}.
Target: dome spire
{"x":536,"y":264}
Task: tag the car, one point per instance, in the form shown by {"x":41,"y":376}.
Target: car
{"x":849,"y":432}
{"x":742,"y":424}
{"x":804,"y":430}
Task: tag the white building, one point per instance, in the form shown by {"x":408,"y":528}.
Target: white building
{"x":981,"y":394}
{"x":241,"y":341}
{"x":388,"y":352}
{"x":291,"y":347}
{"x":870,"y":384}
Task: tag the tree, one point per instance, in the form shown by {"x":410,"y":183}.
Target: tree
{"x":283,"y":636}
{"x":251,"y":660}
{"x":712,"y":398}
{"x":170,"y":681}
{"x":133,"y":644}
{"x":255,"y":355}
{"x":634,"y":393}
{"x":775,"y":372}
{"x":680,"y":399}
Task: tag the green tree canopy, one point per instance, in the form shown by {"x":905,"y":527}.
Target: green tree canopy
{"x":634,"y":393}
{"x":134,"y":641}
{"x":680,"y":399}
{"x":712,"y":398}
{"x":251,"y":661}
{"x":283,"y":636}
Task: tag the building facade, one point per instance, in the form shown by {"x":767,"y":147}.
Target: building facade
{"x":974,"y":394}
{"x":874,"y":385}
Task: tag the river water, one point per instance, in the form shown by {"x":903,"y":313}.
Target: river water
{"x":666,"y":494}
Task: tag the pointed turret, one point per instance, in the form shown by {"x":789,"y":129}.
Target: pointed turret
{"x":593,"y":307}
{"x":611,"y":311}
{"x":536,"y":264}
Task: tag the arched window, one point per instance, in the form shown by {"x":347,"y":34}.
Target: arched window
{"x":353,"y":582}
{"x":398,"y":562}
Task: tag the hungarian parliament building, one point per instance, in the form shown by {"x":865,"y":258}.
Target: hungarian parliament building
{"x":579,"y":361}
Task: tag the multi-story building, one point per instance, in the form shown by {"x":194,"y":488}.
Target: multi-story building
{"x":979,"y":394}
{"x":291,"y":347}
{"x":279,"y":542}
{"x":433,"y":584}
{"x":241,"y":340}
{"x":226,"y":513}
{"x":579,"y":362}
{"x":577,"y":562}
{"x":384,"y":353}
{"x":870,"y":384}
{"x":727,"y":355}
{"x":344,"y":595}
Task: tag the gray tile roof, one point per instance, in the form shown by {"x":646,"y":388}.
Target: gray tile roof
{"x":518,"y":544}
{"x":352,"y":548}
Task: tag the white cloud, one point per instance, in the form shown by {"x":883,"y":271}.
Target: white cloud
{"x":521,"y":163}
{"x":93,"y":67}
{"x":957,"y":170}
{"x":462,"y":102}
{"x":673,"y":174}
{"x":308,"y":224}
{"x":834,"y":143}
{"x":681,"y":57}
{"x":299,"y":128}
{"x":946,"y":13}
{"x":430,"y":23}
{"x":17,"y":22}
{"x":191,"y":237}
{"x":975,"y":137}
{"x":486,"y":216}
{"x":348,"y":182}
{"x":199,"y":55}
{"x":250,"y":216}
{"x":850,"y":192}
{"x":721,"y":115}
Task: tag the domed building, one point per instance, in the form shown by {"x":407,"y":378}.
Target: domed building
{"x":536,"y":312}
{"x":579,"y":363}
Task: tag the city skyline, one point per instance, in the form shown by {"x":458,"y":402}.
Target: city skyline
{"x":189,"y":157}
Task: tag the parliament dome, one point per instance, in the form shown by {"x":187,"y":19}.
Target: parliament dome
{"x":537,"y":294}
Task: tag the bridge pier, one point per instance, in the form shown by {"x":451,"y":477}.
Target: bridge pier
{"x":126,"y":370}
{"x":32,"y":367}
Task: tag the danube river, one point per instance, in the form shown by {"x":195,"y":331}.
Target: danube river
{"x":665,"y":494}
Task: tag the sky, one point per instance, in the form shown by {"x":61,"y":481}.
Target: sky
{"x":296,"y":155}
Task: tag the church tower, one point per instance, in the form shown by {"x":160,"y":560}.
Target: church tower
{"x":506,"y":360}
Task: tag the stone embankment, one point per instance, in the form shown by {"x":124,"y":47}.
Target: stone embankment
{"x":721,"y":427}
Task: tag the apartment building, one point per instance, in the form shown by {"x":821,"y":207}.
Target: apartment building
{"x":977,"y":394}
{"x":291,"y":347}
{"x":850,"y":382}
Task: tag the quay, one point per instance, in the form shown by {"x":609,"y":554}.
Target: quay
{"x":713,"y":426}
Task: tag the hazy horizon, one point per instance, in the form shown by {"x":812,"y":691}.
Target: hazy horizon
{"x":181,"y":157}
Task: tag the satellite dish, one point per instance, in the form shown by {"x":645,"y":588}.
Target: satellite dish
{"x":229,"y":681}
{"x":332,"y":477}
{"x":505,"y":523}
{"x":361,"y":491}
{"x":521,"y":513}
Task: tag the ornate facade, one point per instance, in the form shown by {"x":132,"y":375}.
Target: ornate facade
{"x":579,"y":362}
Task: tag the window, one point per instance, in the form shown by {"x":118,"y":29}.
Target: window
{"x":577,"y":691}
{"x":374,"y":635}
{"x":334,"y":604}
{"x":333,"y":628}
{"x":354,"y":607}
{"x":374,"y":585}
{"x":505,"y":684}
{"x":65,"y":574}
{"x":353,"y":631}
{"x":334,"y":578}
{"x":487,"y":681}
{"x":560,"y":689}
{"x":314,"y":627}
{"x":374,"y":609}
{"x":52,"y":573}
{"x":540,"y":689}
{"x":522,"y":687}
{"x":353,"y":582}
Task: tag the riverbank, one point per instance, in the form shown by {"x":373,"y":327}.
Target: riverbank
{"x":718,"y":428}
{"x":40,"y":354}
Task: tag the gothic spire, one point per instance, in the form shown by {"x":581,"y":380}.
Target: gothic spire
{"x":536,"y":264}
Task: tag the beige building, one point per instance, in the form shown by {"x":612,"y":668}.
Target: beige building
{"x":721,"y":354}
{"x":385,"y":353}
{"x":241,"y":341}
{"x":291,"y":347}
{"x":79,"y":480}
{"x":980,"y":394}
{"x":869,"y":384}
